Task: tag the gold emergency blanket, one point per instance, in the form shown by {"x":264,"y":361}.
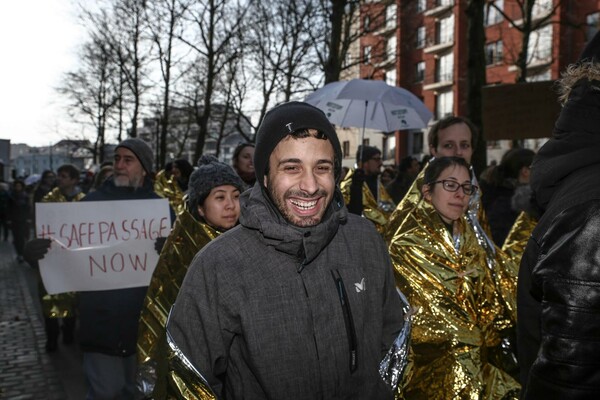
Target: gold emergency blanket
{"x":465,"y":306}
{"x":187,"y":237}
{"x":61,"y":305}
{"x":377,"y":210}
{"x":516,"y":241}
{"x":169,"y":189}
{"x":185,"y":381}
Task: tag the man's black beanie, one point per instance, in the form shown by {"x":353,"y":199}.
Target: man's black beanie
{"x":285,"y":119}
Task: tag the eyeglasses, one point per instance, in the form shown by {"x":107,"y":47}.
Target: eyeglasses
{"x":452,"y":186}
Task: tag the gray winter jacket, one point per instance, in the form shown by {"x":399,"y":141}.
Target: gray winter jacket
{"x":272,"y":311}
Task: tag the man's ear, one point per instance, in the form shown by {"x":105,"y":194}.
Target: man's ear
{"x":265,"y":181}
{"x":201,"y":211}
{"x":432,"y":151}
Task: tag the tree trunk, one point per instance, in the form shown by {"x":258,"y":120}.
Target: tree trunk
{"x":476,"y":78}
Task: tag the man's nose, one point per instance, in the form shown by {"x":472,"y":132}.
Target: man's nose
{"x":308,"y":182}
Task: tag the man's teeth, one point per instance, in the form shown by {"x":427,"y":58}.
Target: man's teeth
{"x":304,"y":204}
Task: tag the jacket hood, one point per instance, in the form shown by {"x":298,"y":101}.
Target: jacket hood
{"x":259,"y":213}
{"x":576,"y":139}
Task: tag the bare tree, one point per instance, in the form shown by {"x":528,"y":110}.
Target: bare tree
{"x":333,"y":33}
{"x":164,"y":19}
{"x":92,"y":91}
{"x":216,"y":24}
{"x":476,"y":78}
{"x":526,"y":22}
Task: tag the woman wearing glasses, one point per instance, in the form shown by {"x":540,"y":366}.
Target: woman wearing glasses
{"x":460,"y":312}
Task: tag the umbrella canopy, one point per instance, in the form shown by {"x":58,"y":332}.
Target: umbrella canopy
{"x":32,"y":179}
{"x":370,"y":104}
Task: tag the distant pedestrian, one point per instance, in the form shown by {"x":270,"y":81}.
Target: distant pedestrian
{"x":4,"y":202}
{"x":243,"y":162}
{"x":363,"y":191}
{"x":408,"y":169}
{"x":19,"y":214}
{"x":60,"y":306}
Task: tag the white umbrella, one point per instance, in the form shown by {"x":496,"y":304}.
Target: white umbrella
{"x":370,"y":104}
{"x":32,"y":179}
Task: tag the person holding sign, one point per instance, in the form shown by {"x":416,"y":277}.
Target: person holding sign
{"x":62,"y":305}
{"x":299,"y":300}
{"x":212,"y":206}
{"x":109,"y":318}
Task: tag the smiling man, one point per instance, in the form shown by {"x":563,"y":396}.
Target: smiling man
{"x":298,"y":301}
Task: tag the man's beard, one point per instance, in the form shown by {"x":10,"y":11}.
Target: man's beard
{"x":288,"y":215}
{"x":125,"y":181}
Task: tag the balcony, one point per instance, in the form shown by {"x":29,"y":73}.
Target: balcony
{"x":442,"y":80}
{"x":438,"y":47}
{"x":441,"y":7}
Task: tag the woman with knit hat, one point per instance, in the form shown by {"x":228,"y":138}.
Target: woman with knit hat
{"x":211,"y":207}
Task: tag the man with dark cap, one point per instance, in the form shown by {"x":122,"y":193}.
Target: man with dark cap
{"x":363,"y":191}
{"x":109,"y":318}
{"x":559,"y":279}
{"x":299,"y":300}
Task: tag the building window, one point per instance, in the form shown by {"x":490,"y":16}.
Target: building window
{"x":444,"y":104}
{"x":420,"y":71}
{"x":540,"y":45}
{"x":391,"y":16}
{"x":593,"y":22}
{"x":390,"y":77}
{"x":491,"y":14}
{"x":445,"y":30}
{"x":367,"y":54}
{"x":493,"y":53}
{"x":420,"y":37}
{"x":391,"y":48}
{"x":346,"y":148}
{"x":445,"y":68}
{"x":440,"y":3}
{"x":421,"y":5}
{"x":541,"y":8}
{"x":367,"y":23}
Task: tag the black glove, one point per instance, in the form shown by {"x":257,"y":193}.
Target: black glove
{"x":36,"y":249}
{"x":358,"y":178}
{"x":159,"y":243}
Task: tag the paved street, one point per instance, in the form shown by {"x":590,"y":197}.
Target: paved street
{"x":26,"y":370}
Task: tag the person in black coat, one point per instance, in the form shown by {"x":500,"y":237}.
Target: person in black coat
{"x":559,"y":279}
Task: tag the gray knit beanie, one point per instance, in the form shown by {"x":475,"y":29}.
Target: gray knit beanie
{"x":285,"y":119}
{"x":141,"y":150}
{"x":210,"y":174}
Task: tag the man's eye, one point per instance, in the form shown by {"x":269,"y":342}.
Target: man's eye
{"x":291,"y":168}
{"x":465,"y":146}
{"x":448,"y":145}
{"x":324,"y":168}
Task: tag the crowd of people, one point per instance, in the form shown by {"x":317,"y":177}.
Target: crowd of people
{"x":287,"y":276}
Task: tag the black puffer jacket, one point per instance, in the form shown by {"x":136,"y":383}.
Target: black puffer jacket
{"x":559,"y":279}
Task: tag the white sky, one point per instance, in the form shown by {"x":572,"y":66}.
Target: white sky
{"x":38,"y":43}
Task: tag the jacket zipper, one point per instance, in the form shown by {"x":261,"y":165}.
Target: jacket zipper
{"x":348,"y":320}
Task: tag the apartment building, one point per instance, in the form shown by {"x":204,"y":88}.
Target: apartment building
{"x":422,"y":46}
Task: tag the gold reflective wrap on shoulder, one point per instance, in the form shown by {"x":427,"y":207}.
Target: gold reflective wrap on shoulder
{"x":376,"y":210}
{"x":184,"y":380}
{"x":517,"y":238}
{"x":169,"y":189}
{"x":61,"y":305}
{"x":464,"y":302}
{"x":187,"y":237}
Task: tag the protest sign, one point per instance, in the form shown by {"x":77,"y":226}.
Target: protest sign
{"x":100,"y":245}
